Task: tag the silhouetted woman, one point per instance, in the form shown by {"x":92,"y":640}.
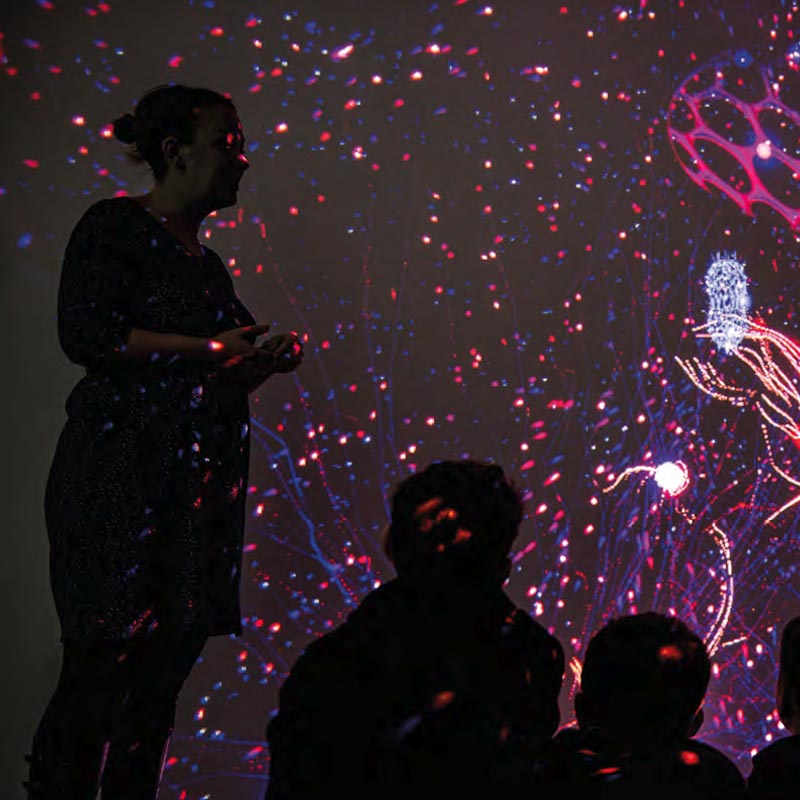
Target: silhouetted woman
{"x":145,"y":499}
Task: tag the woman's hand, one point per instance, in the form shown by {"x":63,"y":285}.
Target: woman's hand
{"x":286,"y":350}
{"x":280,"y":353}
{"x":238,"y":344}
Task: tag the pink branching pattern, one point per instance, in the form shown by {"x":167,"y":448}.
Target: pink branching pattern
{"x":758,"y":146}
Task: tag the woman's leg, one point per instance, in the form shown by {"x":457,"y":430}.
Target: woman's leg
{"x":142,"y":729}
{"x":69,"y":744}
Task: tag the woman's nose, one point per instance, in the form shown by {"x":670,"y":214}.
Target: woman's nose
{"x":242,"y":162}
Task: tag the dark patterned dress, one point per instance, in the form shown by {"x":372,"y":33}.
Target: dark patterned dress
{"x":145,"y":499}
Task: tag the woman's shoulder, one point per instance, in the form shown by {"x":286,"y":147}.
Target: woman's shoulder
{"x":784,"y":749}
{"x":109,"y":213}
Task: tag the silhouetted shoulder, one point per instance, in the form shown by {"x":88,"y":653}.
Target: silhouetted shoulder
{"x":717,"y":765}
{"x":108,"y":213}
{"x":538,"y":636}
{"x":776,"y":770}
{"x":787,"y":748}
{"x":586,"y":762}
{"x":422,"y":686}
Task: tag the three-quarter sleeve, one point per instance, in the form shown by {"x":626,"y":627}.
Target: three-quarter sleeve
{"x":94,"y":295}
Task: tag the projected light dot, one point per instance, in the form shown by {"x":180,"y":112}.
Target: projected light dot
{"x":672,"y":477}
{"x":793,"y":56}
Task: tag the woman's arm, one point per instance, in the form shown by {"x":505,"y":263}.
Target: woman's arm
{"x":97,"y":283}
{"x":229,"y":347}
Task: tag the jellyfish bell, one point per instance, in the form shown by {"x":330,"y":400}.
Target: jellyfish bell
{"x":728,"y":301}
{"x":672,"y":477}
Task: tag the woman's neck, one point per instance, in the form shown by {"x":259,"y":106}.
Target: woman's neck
{"x":183,"y":221}
{"x":179,"y":215}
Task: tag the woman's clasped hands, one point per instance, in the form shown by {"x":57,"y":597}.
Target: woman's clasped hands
{"x":249,"y":364}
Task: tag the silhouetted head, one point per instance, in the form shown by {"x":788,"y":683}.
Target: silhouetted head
{"x":192,"y":139}
{"x":788,"y":691}
{"x":460,"y":513}
{"x":643,"y":680}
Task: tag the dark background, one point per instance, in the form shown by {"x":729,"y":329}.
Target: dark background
{"x":477,"y":217}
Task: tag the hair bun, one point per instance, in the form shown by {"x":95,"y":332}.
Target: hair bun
{"x":125,"y":128}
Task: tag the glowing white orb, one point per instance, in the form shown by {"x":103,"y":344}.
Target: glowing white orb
{"x":764,"y":149}
{"x":672,"y":477}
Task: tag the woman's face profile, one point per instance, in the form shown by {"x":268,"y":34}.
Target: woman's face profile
{"x":213,"y":164}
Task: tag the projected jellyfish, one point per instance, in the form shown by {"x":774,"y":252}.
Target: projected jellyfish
{"x":673,"y":479}
{"x":728,"y":302}
{"x":772,"y":356}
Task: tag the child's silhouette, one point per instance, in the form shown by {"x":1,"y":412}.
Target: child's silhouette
{"x":436,"y":685}
{"x":776,"y":768}
{"x":643,"y":682}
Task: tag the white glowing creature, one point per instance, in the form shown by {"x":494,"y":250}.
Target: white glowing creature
{"x":773,"y":357}
{"x":728,"y":301}
{"x":672,"y":477}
